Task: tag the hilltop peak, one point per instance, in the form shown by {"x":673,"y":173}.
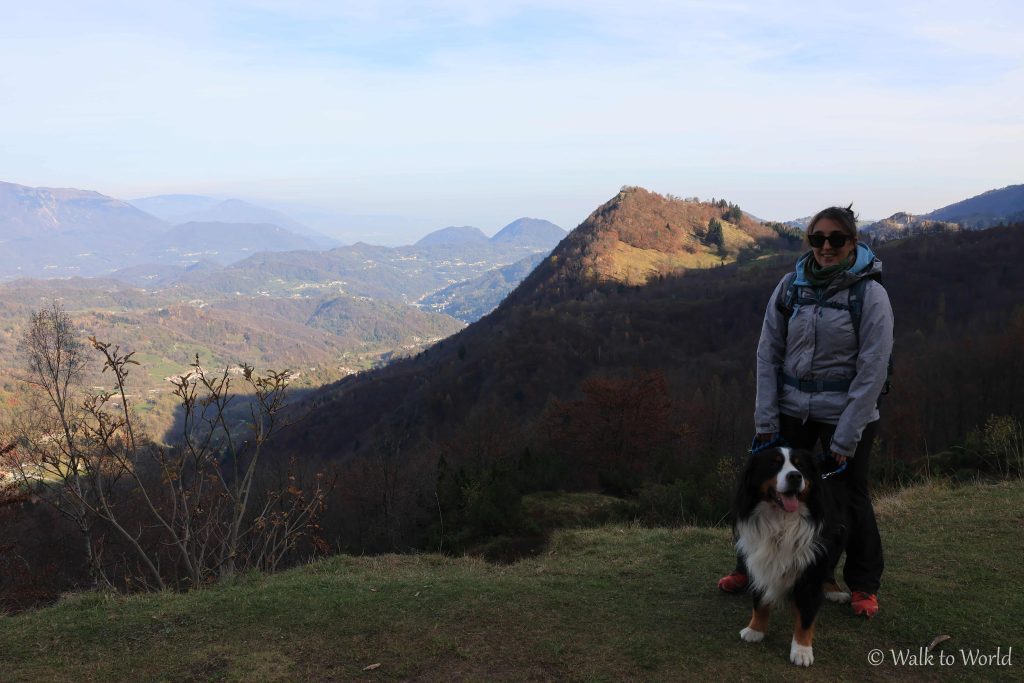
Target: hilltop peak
{"x":453,"y":235}
{"x":638,"y":235}
{"x":530,"y":232}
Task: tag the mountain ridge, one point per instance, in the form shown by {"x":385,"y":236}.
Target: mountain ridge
{"x":1003,"y":205}
{"x":68,"y":232}
{"x":189,"y":208}
{"x":26,"y":212}
{"x":994,"y":207}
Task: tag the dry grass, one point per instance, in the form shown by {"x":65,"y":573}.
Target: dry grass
{"x":612,"y":603}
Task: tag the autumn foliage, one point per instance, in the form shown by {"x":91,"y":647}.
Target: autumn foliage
{"x":618,"y":434}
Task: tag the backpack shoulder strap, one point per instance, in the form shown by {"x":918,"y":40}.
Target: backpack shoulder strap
{"x":786,"y":301}
{"x":855,"y":299}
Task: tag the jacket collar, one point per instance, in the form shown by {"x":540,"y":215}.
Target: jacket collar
{"x":867,"y":264}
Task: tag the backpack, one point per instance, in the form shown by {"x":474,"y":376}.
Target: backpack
{"x":794,"y":295}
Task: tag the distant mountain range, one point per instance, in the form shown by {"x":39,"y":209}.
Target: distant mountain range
{"x":984,"y":210}
{"x":64,"y":232}
{"x":522,"y":233}
{"x":189,"y":208}
{"x":47,"y":232}
{"x":32,"y":213}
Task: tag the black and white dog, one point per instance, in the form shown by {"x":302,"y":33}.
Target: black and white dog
{"x":787,"y":529}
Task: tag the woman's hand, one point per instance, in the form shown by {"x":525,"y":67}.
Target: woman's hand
{"x":840,"y":459}
{"x":767,"y":437}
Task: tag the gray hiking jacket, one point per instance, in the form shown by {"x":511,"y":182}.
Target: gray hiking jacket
{"x":820,"y":343}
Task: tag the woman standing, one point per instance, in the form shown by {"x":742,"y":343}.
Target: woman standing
{"x":822,"y":362}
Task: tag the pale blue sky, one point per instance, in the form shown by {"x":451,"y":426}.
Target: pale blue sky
{"x":459,"y":112}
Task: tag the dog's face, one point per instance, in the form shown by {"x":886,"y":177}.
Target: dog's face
{"x":784,"y":477}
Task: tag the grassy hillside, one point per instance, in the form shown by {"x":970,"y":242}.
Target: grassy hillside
{"x":610,"y":603}
{"x":638,"y":235}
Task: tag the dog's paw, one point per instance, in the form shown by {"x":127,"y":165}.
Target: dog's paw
{"x":751,"y":635}
{"x":841,"y":597}
{"x":801,"y":655}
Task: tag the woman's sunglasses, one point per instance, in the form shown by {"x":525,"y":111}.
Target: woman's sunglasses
{"x":836,"y":239}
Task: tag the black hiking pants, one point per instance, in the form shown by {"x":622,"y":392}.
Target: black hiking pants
{"x":864,"y":562}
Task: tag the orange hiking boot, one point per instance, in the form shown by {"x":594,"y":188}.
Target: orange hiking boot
{"x":864,"y":603}
{"x":733,"y":583}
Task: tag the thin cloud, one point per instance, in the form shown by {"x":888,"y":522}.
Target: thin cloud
{"x":772,"y":101}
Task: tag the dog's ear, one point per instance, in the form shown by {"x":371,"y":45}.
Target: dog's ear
{"x":748,"y":488}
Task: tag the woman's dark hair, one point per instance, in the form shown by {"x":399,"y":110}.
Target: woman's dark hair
{"x":845,"y":217}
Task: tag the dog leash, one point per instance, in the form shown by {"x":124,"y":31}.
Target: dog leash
{"x":758,"y":446}
{"x":825,"y":455}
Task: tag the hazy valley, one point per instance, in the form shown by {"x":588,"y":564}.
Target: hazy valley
{"x":233,"y":290}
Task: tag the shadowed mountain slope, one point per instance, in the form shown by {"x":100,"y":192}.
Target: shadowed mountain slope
{"x":991,"y":208}
{"x":1005,"y":205}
